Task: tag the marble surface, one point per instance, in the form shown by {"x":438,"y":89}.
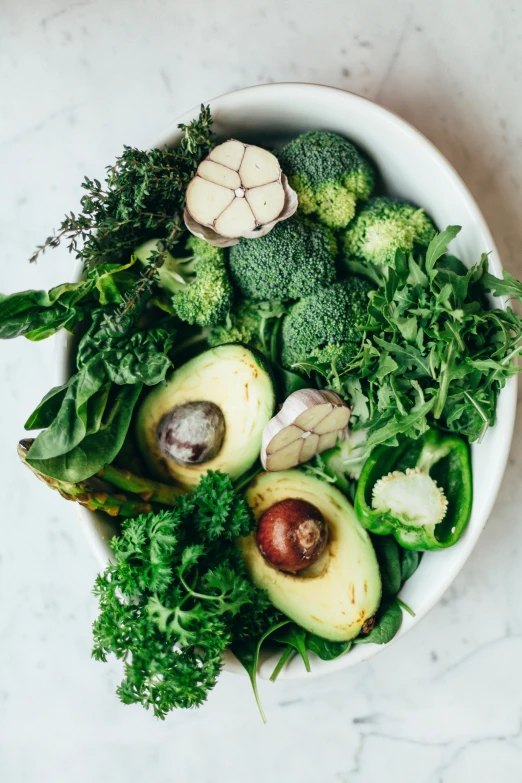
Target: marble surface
{"x":79,"y":79}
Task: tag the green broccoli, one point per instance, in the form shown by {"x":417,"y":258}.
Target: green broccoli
{"x":293,"y":260}
{"x":248,"y":323}
{"x":385,"y":225}
{"x":198,"y":286}
{"x":326,"y":327}
{"x":329,"y":175}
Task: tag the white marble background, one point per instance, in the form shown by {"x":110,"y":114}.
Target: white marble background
{"x":77,"y":80}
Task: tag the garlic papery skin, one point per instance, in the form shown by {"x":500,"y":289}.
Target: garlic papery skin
{"x":309,"y":422}
{"x":239,"y":191}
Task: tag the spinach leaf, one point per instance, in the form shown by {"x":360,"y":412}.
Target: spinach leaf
{"x":388,"y":557}
{"x":248,"y":656}
{"x":410,"y":560}
{"x":389,"y":619}
{"x":324,"y":649}
{"x":95,"y":437}
{"x":38,"y":314}
{"x":87,"y":419}
{"x":294,"y":638}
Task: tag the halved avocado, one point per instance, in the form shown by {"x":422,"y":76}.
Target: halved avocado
{"x":233,"y":378}
{"x":335,"y":596}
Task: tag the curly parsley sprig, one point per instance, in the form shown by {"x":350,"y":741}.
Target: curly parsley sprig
{"x":177,"y":595}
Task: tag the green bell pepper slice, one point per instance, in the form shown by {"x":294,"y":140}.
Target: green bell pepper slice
{"x":446,"y":459}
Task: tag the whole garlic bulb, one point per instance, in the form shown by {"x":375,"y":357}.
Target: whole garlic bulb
{"x":239,"y":191}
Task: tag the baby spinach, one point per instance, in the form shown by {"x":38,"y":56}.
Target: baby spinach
{"x":86,"y":420}
{"x":325,"y":649}
{"x":410,"y":559}
{"x":388,"y":622}
{"x":388,"y":557}
{"x":39,"y":314}
{"x":248,"y":656}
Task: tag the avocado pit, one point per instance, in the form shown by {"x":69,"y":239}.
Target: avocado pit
{"x":292,"y":534}
{"x":191,"y":433}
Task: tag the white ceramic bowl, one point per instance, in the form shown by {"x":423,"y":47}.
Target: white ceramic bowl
{"x":411,"y":167}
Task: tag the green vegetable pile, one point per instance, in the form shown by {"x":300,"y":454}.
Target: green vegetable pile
{"x":177,"y":596}
{"x":356,"y":293}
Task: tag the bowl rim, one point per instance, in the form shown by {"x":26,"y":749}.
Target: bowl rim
{"x":98,"y":542}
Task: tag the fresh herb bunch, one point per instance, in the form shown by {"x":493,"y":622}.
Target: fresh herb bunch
{"x":143,"y":195}
{"x":433,"y":350}
{"x":177,"y":595}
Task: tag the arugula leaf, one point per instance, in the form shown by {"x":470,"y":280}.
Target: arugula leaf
{"x":508,"y":286}
{"x":438,"y":246}
{"x":453,"y":354}
{"x":405,"y":424}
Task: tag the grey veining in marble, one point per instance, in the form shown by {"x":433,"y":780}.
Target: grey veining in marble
{"x":79,"y":79}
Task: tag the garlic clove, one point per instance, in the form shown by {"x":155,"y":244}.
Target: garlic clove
{"x":337,"y":419}
{"x":235,"y":218}
{"x":266,"y":201}
{"x":288,"y":210}
{"x":207,"y":200}
{"x":289,"y":455}
{"x":206,"y":233}
{"x":284,"y":437}
{"x":309,"y":422}
{"x":310,"y":418}
{"x":308,"y":447}
{"x":327,"y":441}
{"x":230,"y":154}
{"x":258,"y":167}
{"x":219,"y":174}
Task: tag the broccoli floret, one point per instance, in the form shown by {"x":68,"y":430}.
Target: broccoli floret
{"x":292,"y":261}
{"x":329,"y":175}
{"x":198,"y":285}
{"x":248,"y":323}
{"x":385,"y":225}
{"x":326,"y":327}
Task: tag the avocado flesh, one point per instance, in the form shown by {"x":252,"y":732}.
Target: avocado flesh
{"x":232,"y":377}
{"x":335,"y":596}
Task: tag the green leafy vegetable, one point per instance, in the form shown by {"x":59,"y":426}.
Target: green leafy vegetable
{"x":325,"y":649}
{"x":38,"y":314}
{"x":388,"y":557}
{"x":434,"y":350}
{"x":410,"y":559}
{"x":388,"y":622}
{"x":248,"y":656}
{"x":143,"y":196}
{"x":87,"y":418}
{"x":177,"y":596}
